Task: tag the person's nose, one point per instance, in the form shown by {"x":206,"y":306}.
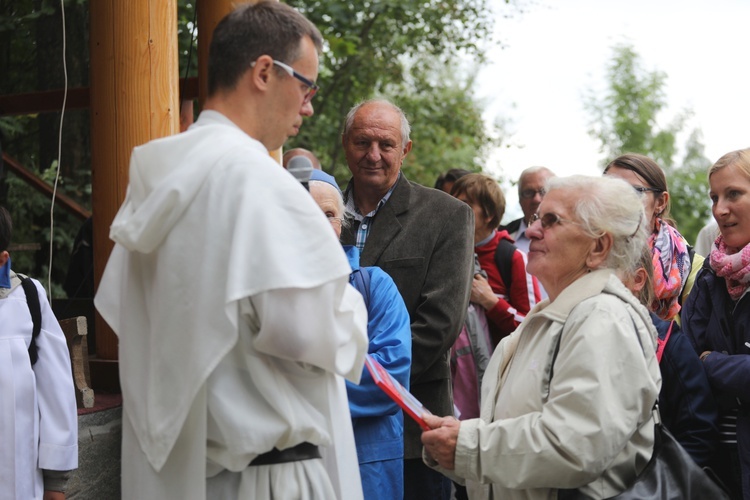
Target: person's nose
{"x":534,"y":230}
{"x":373,"y":153}
{"x":720,"y":209}
{"x":307,"y":109}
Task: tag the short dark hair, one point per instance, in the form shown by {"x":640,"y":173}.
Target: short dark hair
{"x":485,"y":192}
{"x":6,"y":228}
{"x":250,"y":31}
{"x":451,"y":175}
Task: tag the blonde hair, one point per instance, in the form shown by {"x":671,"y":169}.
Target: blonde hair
{"x":740,"y":158}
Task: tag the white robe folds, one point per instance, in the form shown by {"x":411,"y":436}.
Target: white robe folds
{"x":38,"y":417}
{"x":229,"y":294}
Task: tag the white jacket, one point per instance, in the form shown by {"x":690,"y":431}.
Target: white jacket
{"x":584,"y":422}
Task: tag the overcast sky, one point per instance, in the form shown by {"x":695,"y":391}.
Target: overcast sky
{"x":557,"y":49}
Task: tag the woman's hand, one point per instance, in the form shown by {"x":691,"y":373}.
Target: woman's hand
{"x":440,"y":442}
{"x":53,"y":495}
{"x":481,"y":292}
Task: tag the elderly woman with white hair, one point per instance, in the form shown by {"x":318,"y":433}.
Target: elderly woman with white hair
{"x":376,"y":418}
{"x":568,"y":397}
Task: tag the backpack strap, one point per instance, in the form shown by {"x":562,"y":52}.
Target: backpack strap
{"x":661,"y":344}
{"x":504,"y":261}
{"x":360,"y":279}
{"x":32,"y":299}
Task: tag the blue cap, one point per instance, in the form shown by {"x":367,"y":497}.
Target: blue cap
{"x":319,"y":175}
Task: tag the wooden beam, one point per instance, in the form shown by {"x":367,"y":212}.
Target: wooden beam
{"x":78,"y":98}
{"x":43,"y":102}
{"x":40,"y":185}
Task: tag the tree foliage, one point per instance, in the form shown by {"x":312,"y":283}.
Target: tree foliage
{"x":628,"y":117}
{"x":31,"y":59}
{"x":407,"y":51}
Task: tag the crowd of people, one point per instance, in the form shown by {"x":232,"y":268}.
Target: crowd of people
{"x":247,"y":303}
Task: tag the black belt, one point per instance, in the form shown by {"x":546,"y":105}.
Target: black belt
{"x":303,"y":451}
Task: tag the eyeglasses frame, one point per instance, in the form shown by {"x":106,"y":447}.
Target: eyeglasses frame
{"x":533,"y":192}
{"x":558,"y":220}
{"x":641,"y":190}
{"x":312,"y":87}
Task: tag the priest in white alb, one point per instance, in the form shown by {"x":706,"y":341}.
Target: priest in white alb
{"x":229,"y":292}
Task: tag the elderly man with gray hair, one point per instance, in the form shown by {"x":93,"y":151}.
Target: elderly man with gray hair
{"x":423,"y":238}
{"x":531,"y":191}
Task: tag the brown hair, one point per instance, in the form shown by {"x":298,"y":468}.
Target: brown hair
{"x":250,"y":31}
{"x":647,"y":169}
{"x":647,"y":294}
{"x":485,"y":192}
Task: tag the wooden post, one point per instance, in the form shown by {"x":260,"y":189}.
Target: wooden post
{"x":209,"y":15}
{"x":134,"y":98}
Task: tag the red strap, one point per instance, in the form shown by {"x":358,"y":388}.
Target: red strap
{"x":661,"y":344}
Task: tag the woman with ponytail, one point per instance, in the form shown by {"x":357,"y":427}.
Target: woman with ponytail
{"x":675,"y":264}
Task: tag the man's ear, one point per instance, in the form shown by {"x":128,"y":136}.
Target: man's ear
{"x":407,"y":148}
{"x":4,"y":257}
{"x":598,"y":254}
{"x":260,"y":72}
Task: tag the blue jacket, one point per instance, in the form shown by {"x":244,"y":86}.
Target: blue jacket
{"x":714,"y":322}
{"x":377,"y":419}
{"x":686,"y":403}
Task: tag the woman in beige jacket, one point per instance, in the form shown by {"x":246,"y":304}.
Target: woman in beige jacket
{"x":567,"y":398}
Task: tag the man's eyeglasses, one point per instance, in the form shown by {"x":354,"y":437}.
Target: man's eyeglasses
{"x":550,"y":219}
{"x":312,"y":87}
{"x":641,"y":190}
{"x":530,"y":193}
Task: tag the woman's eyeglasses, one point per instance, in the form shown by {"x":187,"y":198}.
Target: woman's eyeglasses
{"x":549,"y":219}
{"x":641,"y":190}
{"x":335,"y":221}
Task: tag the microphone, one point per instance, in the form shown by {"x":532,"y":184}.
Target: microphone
{"x":301,"y":168}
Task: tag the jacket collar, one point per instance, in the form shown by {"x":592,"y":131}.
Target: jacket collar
{"x":585,"y":287}
{"x":386,"y":223}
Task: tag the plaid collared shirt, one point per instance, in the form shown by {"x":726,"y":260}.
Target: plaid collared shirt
{"x":365,"y":221}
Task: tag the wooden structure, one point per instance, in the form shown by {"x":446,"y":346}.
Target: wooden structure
{"x":133,"y":98}
{"x":76,"y":330}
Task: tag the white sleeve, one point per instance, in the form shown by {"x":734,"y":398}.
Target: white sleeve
{"x":58,"y":416}
{"x":325,"y":326}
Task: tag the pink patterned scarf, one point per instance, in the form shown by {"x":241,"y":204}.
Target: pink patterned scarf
{"x":733,"y":265}
{"x":669,"y":254}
